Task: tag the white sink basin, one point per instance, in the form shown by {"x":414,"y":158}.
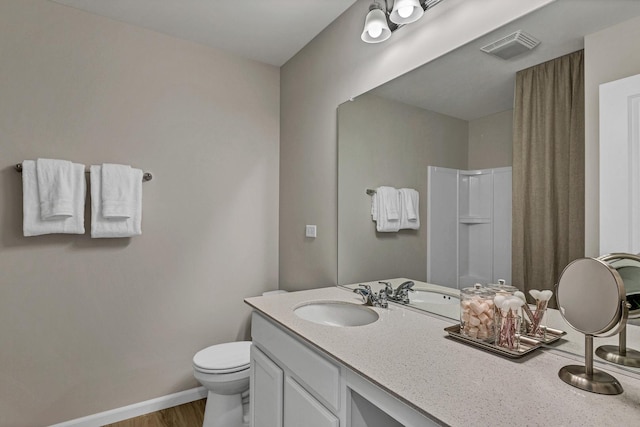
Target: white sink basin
{"x":432,"y":297}
{"x":336,"y":313}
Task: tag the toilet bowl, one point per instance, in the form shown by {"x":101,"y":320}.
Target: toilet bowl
{"x":223,"y":369}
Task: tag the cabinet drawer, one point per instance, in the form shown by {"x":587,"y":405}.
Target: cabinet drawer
{"x":319,"y":376}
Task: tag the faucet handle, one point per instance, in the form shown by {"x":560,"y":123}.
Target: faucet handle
{"x":381,"y":299}
{"x":388,"y":289}
{"x":364,"y":286}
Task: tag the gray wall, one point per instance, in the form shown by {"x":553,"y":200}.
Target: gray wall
{"x":491,"y":141}
{"x":332,"y":68}
{"x":383,"y":142}
{"x":89,"y":325}
{"x":610,"y":54}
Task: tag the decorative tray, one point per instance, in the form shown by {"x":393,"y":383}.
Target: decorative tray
{"x":553,"y":335}
{"x":527,"y":344}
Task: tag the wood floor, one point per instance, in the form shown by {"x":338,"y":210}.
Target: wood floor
{"x":187,"y":415}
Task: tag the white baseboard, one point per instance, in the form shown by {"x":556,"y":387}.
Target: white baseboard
{"x":137,"y":409}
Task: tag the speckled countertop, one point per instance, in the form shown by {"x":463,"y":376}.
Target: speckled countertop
{"x":408,"y":354}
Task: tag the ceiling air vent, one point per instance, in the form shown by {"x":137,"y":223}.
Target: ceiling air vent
{"x":512,"y":45}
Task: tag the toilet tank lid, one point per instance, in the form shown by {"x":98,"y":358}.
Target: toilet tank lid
{"x":223,"y":356}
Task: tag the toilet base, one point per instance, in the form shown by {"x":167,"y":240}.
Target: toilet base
{"x":225,"y":411}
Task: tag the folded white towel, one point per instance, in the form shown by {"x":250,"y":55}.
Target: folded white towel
{"x":33,"y":224}
{"x":390,"y":199}
{"x":55,"y":188}
{"x":374,"y":206}
{"x":118,"y":182}
{"x":409,"y":214}
{"x":386,"y":196}
{"x":115,"y":227}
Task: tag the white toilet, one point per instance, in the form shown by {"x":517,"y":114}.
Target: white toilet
{"x":223,"y":369}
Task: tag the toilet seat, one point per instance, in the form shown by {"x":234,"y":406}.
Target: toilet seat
{"x":222,"y":371}
{"x":223,"y":358}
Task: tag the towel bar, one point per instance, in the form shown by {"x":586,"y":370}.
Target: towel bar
{"x":370,"y":192}
{"x":145,"y":176}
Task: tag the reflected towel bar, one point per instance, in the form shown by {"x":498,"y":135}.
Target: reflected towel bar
{"x":146,"y":176}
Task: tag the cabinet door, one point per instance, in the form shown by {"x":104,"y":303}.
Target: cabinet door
{"x":302,"y":409}
{"x":266,"y":391}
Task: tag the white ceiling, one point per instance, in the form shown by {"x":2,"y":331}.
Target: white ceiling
{"x":469,"y":84}
{"x":269,"y":31}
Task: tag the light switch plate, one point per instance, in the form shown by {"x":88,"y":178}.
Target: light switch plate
{"x":310,"y":231}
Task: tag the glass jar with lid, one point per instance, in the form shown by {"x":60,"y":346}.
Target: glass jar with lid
{"x":477,"y":312}
{"x":501,"y":288}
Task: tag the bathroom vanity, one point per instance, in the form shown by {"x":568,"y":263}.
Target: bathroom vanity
{"x":402,"y":370}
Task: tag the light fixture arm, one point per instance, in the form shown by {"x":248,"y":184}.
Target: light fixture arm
{"x":387,"y":11}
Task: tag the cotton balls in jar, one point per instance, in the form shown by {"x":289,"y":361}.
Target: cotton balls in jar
{"x":477,"y":312}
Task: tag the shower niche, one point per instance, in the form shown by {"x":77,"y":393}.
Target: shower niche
{"x":468,"y":226}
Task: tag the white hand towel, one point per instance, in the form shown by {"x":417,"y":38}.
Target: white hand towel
{"x":55,"y":188}
{"x":374,"y":206}
{"x":118,"y":182}
{"x":102,"y":227}
{"x":32,"y":224}
{"x":391,"y":202}
{"x":386,"y":196}
{"x":409,"y":213}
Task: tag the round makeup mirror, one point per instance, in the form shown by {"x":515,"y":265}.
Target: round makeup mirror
{"x":628,"y":267}
{"x":592,"y":300}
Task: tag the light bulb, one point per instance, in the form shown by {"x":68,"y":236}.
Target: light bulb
{"x":375,"y":30}
{"x":405,"y":11}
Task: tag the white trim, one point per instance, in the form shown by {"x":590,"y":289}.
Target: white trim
{"x":137,"y":409}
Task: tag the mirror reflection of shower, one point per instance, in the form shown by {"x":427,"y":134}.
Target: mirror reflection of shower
{"x":468,"y":226}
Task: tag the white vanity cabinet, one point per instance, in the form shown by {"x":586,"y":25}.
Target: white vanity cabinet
{"x":294,"y":385}
{"x":280,"y":401}
{"x":291,"y":385}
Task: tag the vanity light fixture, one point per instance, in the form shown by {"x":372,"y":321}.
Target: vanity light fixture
{"x":406,"y":11}
{"x":376,"y":26}
{"x":382,"y":21}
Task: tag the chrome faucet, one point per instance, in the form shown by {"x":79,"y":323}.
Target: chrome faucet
{"x":364,"y":291}
{"x":371,"y":298}
{"x":401,"y":293}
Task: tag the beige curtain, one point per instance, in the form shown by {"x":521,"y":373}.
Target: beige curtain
{"x":548,"y":171}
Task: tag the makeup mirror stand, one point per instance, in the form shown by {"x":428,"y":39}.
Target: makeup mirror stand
{"x":592,"y":300}
{"x":586,"y":377}
{"x":620,"y":354}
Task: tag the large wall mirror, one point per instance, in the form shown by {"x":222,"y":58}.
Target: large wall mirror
{"x":454,"y":113}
